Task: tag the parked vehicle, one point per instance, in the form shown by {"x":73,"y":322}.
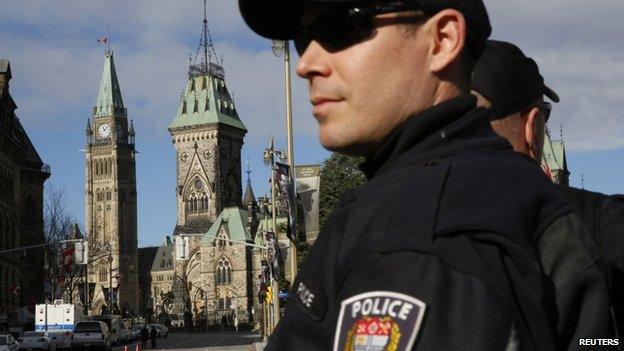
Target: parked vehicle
{"x":163,"y":331}
{"x":114,"y":326}
{"x":36,"y":340}
{"x":58,"y":316}
{"x":91,"y":335}
{"x":61,"y":338}
{"x":8,"y":342}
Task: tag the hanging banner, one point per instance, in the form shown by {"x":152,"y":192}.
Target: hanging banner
{"x":275,"y":255}
{"x":308,"y":179}
{"x":286,"y":197}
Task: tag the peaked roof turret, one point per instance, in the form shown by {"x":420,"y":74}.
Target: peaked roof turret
{"x":234,"y":221}
{"x":109,"y":97}
{"x":205,"y":99}
{"x":249,"y":198}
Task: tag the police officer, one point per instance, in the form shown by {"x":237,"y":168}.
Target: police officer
{"x":436,"y":251}
{"x":510,"y":83}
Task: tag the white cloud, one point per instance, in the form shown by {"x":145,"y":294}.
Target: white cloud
{"x":579,"y":48}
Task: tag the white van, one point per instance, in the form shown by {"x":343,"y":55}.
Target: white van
{"x":114,"y":326}
{"x":91,"y":335}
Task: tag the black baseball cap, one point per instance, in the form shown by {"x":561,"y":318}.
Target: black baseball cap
{"x":510,"y":80}
{"x":280,"y":19}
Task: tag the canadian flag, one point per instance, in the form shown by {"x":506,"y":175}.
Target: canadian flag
{"x":67,"y":258}
{"x":102,"y":40}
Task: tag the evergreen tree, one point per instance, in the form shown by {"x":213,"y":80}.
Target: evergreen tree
{"x":339,"y":173}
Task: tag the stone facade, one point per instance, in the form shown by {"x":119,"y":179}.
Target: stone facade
{"x":22,"y":175}
{"x":110,"y":199}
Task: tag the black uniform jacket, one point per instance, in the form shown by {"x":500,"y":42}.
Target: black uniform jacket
{"x":438,"y":251}
{"x":603,"y":215}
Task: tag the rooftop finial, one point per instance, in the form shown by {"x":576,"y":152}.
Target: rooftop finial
{"x":582,"y":181}
{"x":205,"y":66}
{"x":248,"y":172}
{"x":561,"y":131}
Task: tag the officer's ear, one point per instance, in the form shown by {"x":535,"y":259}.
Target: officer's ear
{"x":533,"y":132}
{"x":447,"y":29}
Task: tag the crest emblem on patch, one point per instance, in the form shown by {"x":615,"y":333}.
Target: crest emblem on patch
{"x":378,"y":321}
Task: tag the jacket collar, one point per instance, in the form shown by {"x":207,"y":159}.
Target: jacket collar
{"x":415,"y":130}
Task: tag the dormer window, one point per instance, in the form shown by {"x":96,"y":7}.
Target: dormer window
{"x":184,"y":107}
{"x":195,"y":106}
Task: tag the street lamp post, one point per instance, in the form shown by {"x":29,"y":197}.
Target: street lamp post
{"x":110,"y":284}
{"x":279,"y":46}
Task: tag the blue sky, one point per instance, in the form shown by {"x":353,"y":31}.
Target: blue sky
{"x":57,"y":66}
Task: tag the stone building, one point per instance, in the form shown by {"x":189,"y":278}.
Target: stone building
{"x":22,"y":176}
{"x":146,"y":260}
{"x":161,"y":278}
{"x":554,"y":161}
{"x":110,"y":199}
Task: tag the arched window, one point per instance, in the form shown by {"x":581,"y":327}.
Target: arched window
{"x":224,"y":272}
{"x":162,"y":263}
{"x":168,"y":263}
{"x":184,"y":107}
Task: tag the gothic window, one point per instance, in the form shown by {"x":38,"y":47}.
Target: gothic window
{"x":108,"y":195}
{"x":221,"y":303}
{"x":184,"y":107}
{"x":204,"y":200}
{"x":207,"y":107}
{"x":221,"y":241}
{"x":228,"y":302}
{"x":192,"y":84}
{"x":224,"y":272}
{"x":102,"y":274}
{"x":195,"y":106}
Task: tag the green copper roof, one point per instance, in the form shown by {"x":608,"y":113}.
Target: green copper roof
{"x":206,"y":100}
{"x":554,"y":154}
{"x":110,"y":94}
{"x":234,"y":221}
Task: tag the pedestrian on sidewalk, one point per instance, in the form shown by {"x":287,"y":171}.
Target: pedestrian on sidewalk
{"x":144,"y":336}
{"x":153,"y":335}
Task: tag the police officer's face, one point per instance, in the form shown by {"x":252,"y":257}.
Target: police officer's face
{"x":362,"y":92}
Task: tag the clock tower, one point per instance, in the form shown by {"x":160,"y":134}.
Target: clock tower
{"x":110,"y":201}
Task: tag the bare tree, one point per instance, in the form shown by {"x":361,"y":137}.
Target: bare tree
{"x":58,"y":223}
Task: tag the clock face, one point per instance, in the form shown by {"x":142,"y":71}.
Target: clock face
{"x":104,"y":130}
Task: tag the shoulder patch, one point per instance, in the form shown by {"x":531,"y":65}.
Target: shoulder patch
{"x":379,"y":320}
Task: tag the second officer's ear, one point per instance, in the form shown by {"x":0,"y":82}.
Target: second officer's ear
{"x":533,"y":132}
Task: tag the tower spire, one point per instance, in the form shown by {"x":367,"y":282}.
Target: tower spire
{"x":109,"y":101}
{"x":248,"y":171}
{"x":203,"y":66}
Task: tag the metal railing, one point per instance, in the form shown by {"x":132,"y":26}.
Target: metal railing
{"x":213,"y":69}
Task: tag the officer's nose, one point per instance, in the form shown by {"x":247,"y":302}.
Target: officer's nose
{"x":314,"y":62}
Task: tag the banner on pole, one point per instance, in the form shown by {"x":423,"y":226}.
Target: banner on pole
{"x":275,"y":255}
{"x":308,"y":179}
{"x":286,"y":197}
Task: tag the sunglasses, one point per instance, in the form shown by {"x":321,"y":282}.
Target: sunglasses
{"x":340,"y":28}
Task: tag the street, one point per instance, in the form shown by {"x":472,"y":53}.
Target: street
{"x":214,"y":341}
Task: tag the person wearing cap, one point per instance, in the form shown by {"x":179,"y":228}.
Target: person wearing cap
{"x":509,"y":82}
{"x":435,"y":251}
